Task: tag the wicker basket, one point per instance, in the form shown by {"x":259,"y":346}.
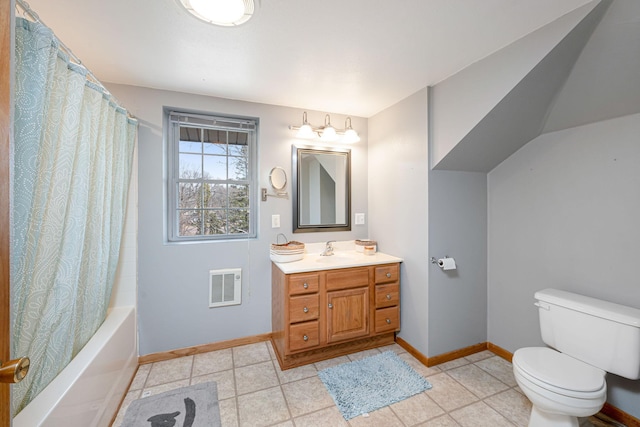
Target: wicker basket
{"x":287,"y":252}
{"x":360,"y":244}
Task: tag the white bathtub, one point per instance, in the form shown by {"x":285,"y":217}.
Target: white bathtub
{"x":88,"y":391}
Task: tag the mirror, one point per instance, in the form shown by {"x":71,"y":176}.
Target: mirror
{"x":278,"y":178}
{"x":321,"y":189}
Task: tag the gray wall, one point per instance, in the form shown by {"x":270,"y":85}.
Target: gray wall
{"x":398,"y":215}
{"x":563,"y":213}
{"x":173,"y":278}
{"x":457,"y":228}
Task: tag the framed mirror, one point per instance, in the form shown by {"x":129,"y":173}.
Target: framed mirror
{"x":321,"y":189}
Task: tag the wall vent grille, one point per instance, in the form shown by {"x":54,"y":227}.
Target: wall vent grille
{"x":225,"y":287}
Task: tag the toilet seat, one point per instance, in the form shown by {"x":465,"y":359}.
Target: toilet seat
{"x":559,"y":373}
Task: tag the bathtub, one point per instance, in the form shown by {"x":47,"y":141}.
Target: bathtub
{"x":88,"y":391}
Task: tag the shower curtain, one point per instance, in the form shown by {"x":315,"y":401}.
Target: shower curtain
{"x":73,"y":150}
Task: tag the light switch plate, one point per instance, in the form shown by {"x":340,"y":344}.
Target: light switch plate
{"x":275,"y":221}
{"x":359,"y":219}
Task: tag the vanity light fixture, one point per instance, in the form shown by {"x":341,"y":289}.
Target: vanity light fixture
{"x":326,"y":133}
{"x":226,"y":13}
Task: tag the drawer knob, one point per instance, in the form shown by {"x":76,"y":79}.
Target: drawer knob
{"x":306,"y":285}
{"x":305,"y":338}
{"x":330,"y":305}
{"x":306,"y":310}
{"x":388,"y":274}
{"x":388,"y":296}
{"x":388,"y":321}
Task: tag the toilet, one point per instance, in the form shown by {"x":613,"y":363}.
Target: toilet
{"x":588,"y":338}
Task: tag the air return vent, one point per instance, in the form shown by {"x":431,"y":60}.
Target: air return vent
{"x":225,"y":287}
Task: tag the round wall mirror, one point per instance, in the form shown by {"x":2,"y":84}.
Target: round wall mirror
{"x":278,"y":178}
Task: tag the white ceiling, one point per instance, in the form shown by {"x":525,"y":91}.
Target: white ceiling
{"x":353,"y":57}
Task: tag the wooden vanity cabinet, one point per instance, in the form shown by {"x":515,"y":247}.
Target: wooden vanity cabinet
{"x":323,"y":314}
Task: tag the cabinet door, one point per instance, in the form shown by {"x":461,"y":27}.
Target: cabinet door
{"x":347,"y":314}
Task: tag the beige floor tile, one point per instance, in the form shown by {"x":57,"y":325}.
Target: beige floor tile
{"x":383,"y":417}
{"x":306,"y":396}
{"x":224,"y":380}
{"x":512,"y":405}
{"x":255,"y":377}
{"x":453,"y":364}
{"x":362,"y":354}
{"x":442,"y":421}
{"x":479,"y":415}
{"x":499,"y":368}
{"x":213,"y":361}
{"x":272,"y":352}
{"x":228,"y":412}
{"x":479,"y":356}
{"x":477,"y":381}
{"x":331,"y":362}
{"x":418,"y":366}
{"x":416,"y":409}
{"x":262,"y":408}
{"x":170,"y":371}
{"x":250,"y":354}
{"x":448,"y":393}
{"x":150,"y":391}
{"x":397,"y":349}
{"x":295,"y":374}
{"x":140,"y":378}
{"x":287,"y":423}
{"x":324,"y":418}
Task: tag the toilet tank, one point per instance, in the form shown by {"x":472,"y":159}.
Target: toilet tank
{"x":600,"y":333}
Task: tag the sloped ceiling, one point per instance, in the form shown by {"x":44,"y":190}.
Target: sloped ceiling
{"x":521,"y":114}
{"x":605,"y":81}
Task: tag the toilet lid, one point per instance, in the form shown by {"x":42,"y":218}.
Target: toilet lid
{"x":559,"y":370}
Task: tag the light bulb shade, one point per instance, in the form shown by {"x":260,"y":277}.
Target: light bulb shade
{"x":306,"y":132}
{"x":221,"y":12}
{"x":350,"y":136}
{"x":329,"y":134}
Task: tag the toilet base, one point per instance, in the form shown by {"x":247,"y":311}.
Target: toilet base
{"x":544,"y":419}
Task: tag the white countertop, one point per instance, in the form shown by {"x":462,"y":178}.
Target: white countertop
{"x":340,"y":259}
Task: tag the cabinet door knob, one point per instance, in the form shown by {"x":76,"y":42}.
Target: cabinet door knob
{"x":330,"y":305}
{"x":306,"y":310}
{"x":388,"y":274}
{"x":306,"y":338}
{"x":388,"y":296}
{"x":306,"y":285}
{"x":388,"y":321}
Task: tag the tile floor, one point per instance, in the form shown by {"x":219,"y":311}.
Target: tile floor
{"x":475,"y":391}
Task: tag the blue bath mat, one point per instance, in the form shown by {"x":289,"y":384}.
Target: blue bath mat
{"x":371,"y":383}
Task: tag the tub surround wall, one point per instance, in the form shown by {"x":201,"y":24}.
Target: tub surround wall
{"x":173,"y":290}
{"x":563,"y":213}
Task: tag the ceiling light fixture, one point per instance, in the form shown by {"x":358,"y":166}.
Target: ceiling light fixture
{"x":226,"y":13}
{"x":326,"y":133}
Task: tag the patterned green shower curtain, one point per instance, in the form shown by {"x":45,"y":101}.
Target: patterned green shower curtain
{"x":72,"y":160}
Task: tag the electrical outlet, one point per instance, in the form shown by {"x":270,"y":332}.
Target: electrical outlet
{"x":359,"y":219}
{"x":275,"y":221}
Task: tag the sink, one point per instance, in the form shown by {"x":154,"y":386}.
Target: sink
{"x":336,"y":259}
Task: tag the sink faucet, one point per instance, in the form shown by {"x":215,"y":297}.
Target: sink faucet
{"x":328,"y":249}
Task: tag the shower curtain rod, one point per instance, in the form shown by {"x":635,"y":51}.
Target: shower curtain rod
{"x":26,"y":9}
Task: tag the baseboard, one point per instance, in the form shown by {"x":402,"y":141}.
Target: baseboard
{"x":190,"y":351}
{"x":499,"y":351}
{"x":620,"y":416}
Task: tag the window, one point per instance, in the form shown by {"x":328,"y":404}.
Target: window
{"x":211,"y":187}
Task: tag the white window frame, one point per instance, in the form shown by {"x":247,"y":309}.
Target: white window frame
{"x":174,"y":120}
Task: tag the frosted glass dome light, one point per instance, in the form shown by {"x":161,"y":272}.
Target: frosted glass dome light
{"x":221,"y":12}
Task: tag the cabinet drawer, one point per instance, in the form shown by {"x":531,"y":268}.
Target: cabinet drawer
{"x":387,"y":295}
{"x":387,"y":319}
{"x":345,"y":279}
{"x":304,"y":307}
{"x":304,"y":335}
{"x":303,"y":284}
{"x":387,"y":273}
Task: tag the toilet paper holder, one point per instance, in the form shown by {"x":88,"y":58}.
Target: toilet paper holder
{"x":435,"y":261}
